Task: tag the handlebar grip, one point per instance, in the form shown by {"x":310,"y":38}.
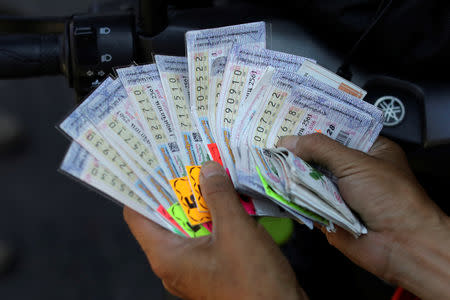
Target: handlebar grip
{"x":27,"y":55}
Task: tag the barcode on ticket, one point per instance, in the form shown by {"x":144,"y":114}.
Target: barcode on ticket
{"x":196,"y":136}
{"x":173,"y":147}
{"x":343,"y":137}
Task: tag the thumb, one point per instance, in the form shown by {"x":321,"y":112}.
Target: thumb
{"x":324,"y":151}
{"x":221,"y":198}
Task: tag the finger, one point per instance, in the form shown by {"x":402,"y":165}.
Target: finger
{"x":369,"y":251}
{"x":173,"y":290}
{"x":318,"y":148}
{"x":221,"y":198}
{"x":157,"y":243}
{"x":390,"y":152}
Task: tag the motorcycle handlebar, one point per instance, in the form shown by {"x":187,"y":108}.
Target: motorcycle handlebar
{"x":27,"y":55}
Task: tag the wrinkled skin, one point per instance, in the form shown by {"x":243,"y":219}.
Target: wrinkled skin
{"x":407,"y":242}
{"x":408,"y":233}
{"x":239,"y":260}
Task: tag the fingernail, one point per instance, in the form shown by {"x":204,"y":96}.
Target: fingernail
{"x":211,"y":168}
{"x":288,"y":142}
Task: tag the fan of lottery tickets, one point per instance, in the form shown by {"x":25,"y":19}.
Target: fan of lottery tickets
{"x":141,"y":137}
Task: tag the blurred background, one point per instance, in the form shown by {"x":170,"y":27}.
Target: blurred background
{"x":70,"y":242}
{"x":59,"y":239}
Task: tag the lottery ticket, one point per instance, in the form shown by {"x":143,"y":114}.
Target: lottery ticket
{"x":173,"y":73}
{"x":142,"y":138}
{"x":178,"y":214}
{"x":326,"y":76}
{"x":82,"y":131}
{"x":243,"y":169}
{"x":207,"y":52}
{"x":273,"y":186}
{"x":305,"y":112}
{"x":320,"y":112}
{"x":144,"y":87}
{"x":290,"y":81}
{"x":84,"y":167}
{"x":276,"y":118}
{"x":114,"y":117}
{"x":174,"y":77}
{"x":194,"y":182}
{"x":306,"y":187}
{"x":186,"y":198}
{"x":245,"y":67}
{"x":292,"y":208}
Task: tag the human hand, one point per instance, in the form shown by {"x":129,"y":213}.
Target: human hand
{"x":239,"y":260}
{"x":409,"y":237}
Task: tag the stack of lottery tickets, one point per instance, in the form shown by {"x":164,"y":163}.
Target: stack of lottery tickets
{"x":142,"y":136}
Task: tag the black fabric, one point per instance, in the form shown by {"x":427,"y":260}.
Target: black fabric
{"x":411,"y":37}
{"x":413,"y":34}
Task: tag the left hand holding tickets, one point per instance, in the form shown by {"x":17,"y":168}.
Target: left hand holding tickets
{"x":239,"y":259}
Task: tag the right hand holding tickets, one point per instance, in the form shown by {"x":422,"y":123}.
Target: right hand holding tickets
{"x":408,"y":233}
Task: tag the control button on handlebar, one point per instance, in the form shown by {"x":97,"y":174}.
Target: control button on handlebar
{"x":83,"y":31}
